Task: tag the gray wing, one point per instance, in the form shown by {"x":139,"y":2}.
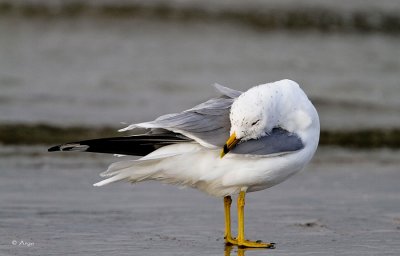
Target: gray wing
{"x":278,"y":141}
{"x":208,"y":123}
{"x":227,"y":91}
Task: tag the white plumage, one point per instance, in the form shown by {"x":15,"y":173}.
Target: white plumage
{"x":255,"y":115}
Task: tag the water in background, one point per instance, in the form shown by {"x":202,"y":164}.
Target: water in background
{"x":107,"y":70}
{"x":103,"y":70}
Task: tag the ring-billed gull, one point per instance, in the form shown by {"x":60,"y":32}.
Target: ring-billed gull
{"x":232,"y":144}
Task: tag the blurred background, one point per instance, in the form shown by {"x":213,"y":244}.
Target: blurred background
{"x":79,"y":69}
{"x":99,"y":62}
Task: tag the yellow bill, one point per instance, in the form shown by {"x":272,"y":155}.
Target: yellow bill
{"x":230,"y":143}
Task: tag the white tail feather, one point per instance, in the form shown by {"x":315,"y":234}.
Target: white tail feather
{"x":131,"y":170}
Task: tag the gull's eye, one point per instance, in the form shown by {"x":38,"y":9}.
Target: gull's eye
{"x":255,"y":122}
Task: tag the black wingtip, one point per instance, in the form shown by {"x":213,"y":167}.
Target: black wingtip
{"x":54,"y":149}
{"x":138,"y":145}
{"x":74,"y":146}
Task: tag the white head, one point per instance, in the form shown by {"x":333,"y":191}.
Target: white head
{"x":260,"y":109}
{"x":281,"y":104}
{"x":249,"y":116}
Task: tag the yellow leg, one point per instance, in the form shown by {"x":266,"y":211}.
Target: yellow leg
{"x":241,"y":242}
{"x":227,"y":209}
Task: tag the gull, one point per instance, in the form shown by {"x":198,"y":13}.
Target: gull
{"x":233,"y":144}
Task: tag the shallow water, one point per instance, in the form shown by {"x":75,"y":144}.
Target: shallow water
{"x":106,"y":71}
{"x":344,"y":203}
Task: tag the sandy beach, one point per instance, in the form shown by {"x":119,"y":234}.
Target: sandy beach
{"x":344,"y":203}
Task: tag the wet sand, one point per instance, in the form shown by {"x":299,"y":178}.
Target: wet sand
{"x":90,"y":70}
{"x":344,"y":203}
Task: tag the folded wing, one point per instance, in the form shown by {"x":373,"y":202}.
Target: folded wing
{"x":207,"y":123}
{"x":278,"y":141}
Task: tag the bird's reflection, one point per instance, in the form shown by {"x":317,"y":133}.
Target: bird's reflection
{"x":240,"y":251}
